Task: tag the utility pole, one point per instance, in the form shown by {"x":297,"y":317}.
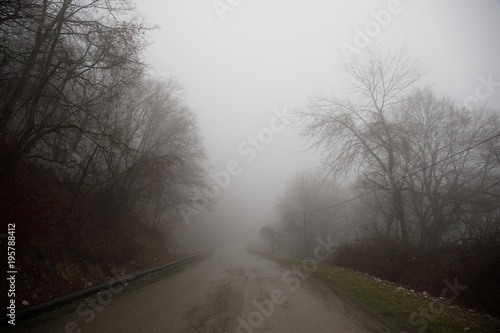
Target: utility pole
{"x":305,"y":237}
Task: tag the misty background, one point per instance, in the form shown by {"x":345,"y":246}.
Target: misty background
{"x":240,"y":62}
{"x":134,"y":133}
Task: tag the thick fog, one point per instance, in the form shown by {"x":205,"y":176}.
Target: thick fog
{"x":243,"y":62}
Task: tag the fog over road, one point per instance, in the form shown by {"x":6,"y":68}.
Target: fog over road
{"x":230,"y":290}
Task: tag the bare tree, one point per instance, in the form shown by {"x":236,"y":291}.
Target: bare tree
{"x":269,"y":233}
{"x":62,"y":61}
{"x":111,"y":146}
{"x":423,"y":162}
{"x":448,"y":160}
{"x":355,"y":132}
{"x":303,"y":213}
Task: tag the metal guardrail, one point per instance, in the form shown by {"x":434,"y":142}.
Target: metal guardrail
{"x":48,"y":305}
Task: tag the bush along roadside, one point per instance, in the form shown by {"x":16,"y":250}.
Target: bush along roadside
{"x":403,"y":308}
{"x":473,"y":267}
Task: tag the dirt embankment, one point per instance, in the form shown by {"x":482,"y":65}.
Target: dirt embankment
{"x":49,"y":266}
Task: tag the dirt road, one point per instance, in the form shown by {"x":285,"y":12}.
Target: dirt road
{"x":228,"y":291}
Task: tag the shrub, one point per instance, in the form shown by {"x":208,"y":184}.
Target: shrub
{"x":474,"y":265}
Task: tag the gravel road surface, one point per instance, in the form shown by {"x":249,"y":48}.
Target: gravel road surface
{"x":230,"y":290}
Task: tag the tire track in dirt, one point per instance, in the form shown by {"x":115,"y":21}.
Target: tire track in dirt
{"x":217,"y":313}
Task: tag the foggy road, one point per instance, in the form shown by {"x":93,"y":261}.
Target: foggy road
{"x":135,"y":131}
{"x":228,"y":291}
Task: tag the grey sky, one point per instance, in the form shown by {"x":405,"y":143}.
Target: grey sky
{"x":273,"y":54}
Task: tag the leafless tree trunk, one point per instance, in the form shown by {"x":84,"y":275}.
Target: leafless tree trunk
{"x":356,"y":132}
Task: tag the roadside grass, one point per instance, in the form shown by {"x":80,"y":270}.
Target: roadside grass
{"x":413,"y":311}
{"x":131,"y":286}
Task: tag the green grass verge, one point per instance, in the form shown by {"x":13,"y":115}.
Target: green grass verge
{"x":410,"y":310}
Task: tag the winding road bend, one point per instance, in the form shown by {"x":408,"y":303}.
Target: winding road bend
{"x":229,"y":290}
